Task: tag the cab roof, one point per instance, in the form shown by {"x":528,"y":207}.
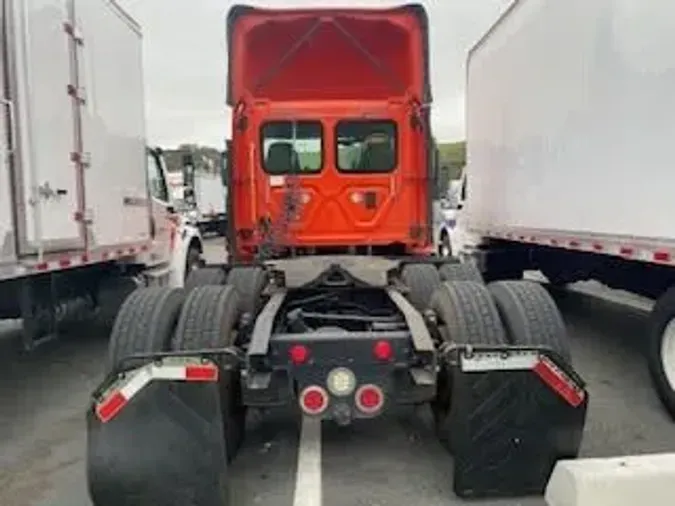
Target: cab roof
{"x":327,"y":54}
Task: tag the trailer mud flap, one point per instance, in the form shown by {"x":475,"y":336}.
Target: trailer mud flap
{"x":162,"y":445}
{"x":516,"y":414}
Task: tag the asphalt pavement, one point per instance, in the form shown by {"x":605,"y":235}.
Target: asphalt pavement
{"x":393,"y":461}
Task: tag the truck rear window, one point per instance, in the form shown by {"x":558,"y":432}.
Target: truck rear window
{"x":292,"y":147}
{"x":366,"y":146}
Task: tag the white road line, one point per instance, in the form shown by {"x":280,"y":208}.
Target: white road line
{"x":308,"y":490}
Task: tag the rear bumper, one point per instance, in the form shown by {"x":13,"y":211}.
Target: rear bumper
{"x":401,"y":380}
{"x":280,"y":388}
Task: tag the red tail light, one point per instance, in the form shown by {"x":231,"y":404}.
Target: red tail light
{"x":383,"y":351}
{"x":369,"y":399}
{"x":314,"y":400}
{"x":298,"y":354}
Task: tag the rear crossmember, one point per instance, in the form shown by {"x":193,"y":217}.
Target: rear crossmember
{"x":400,"y":359}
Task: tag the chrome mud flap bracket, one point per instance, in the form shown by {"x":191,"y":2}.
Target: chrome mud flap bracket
{"x":516,"y":412}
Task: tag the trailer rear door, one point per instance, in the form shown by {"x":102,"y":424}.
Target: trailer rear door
{"x":46,"y":110}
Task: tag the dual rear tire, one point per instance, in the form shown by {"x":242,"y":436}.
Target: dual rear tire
{"x":520,"y":313}
{"x":204,"y":315}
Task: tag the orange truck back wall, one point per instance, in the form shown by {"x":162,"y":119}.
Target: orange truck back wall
{"x":331,"y":141}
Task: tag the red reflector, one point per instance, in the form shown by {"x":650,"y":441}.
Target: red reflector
{"x":313,"y":400}
{"x":298,"y":354}
{"x":662,"y":256}
{"x":110,"y":407}
{"x":383,"y":350}
{"x":369,"y":398}
{"x":559,"y":382}
{"x":201,"y":373}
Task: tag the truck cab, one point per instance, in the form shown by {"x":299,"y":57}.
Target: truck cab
{"x":332,"y":161}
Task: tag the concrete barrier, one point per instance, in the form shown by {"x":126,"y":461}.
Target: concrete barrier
{"x":632,"y":480}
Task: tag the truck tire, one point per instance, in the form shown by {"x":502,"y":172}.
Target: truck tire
{"x":207,"y":321}
{"x":530,"y":316}
{"x":460,"y":271}
{"x":467,"y":315}
{"x":144,"y":324}
{"x":205,"y":276}
{"x":249,"y":283}
{"x":661,"y":349}
{"x":421,"y":280}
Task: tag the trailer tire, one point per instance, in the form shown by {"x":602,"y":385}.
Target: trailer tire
{"x":421,"y":280}
{"x":205,"y":276}
{"x":531,"y":316}
{"x":460,"y":271}
{"x":661,"y":349}
{"x":207,"y":321}
{"x":144,"y":323}
{"x":466,"y":314}
{"x":249,"y":283}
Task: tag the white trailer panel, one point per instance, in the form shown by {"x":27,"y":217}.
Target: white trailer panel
{"x":7,"y":119}
{"x":46,"y":126}
{"x":113,"y":128}
{"x":571,"y":121}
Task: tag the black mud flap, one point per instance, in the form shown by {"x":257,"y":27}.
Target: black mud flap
{"x":165,"y":447}
{"x":511,"y":426}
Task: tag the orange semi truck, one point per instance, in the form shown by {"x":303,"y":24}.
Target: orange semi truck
{"x":331,"y":302}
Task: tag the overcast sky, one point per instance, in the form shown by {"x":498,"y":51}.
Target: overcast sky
{"x":185,"y":61}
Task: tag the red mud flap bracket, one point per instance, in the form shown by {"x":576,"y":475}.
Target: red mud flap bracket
{"x":516,"y":412}
{"x":155,"y":436}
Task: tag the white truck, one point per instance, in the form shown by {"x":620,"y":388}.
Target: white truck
{"x":84,"y":204}
{"x":445,"y":219}
{"x":570,"y":130}
{"x":207,"y":196}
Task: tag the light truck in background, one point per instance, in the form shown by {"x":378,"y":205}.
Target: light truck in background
{"x":85,"y":214}
{"x":204,"y":196}
{"x":445,"y":214}
{"x":570,"y":171}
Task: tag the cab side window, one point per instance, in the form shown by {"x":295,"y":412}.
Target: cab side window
{"x":158,"y":188}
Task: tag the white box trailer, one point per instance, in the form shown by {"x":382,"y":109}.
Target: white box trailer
{"x":570,"y":130}
{"x":82,"y":199}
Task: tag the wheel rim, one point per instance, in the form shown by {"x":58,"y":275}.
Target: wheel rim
{"x":668,"y":353}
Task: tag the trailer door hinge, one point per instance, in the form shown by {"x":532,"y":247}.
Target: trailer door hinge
{"x":83,"y":159}
{"x":72,"y":30}
{"x":86,"y":217}
{"x":78,"y":94}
